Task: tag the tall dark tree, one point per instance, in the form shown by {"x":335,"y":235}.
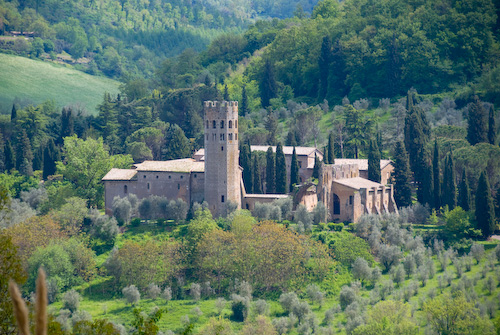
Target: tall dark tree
{"x":337,"y":76}
{"x":464,"y":192}
{"x":2,"y":154}
{"x":380,"y":143}
{"x":325,"y":58}
{"x":244,"y":101}
{"x":374,"y":162}
{"x":449,"y":196}
{"x":281,"y":182}
{"x":358,"y":129}
{"x":330,"y":154}
{"x":268,"y":85}
{"x":50,"y":157}
{"x":257,"y":185}
{"x":294,"y":170}
{"x":423,"y":178}
{"x":492,"y":132}
{"x":497,"y":204}
{"x":24,"y":161}
{"x":317,"y":166}
{"x":38,"y":158}
{"x":401,"y":176}
{"x":10,"y":156}
{"x":13,"y":112}
{"x":270,"y":172}
{"x":436,"y":175}
{"x":177,"y":145}
{"x":246,"y":164}
{"x":485,"y":216}
{"x":226,"y":93}
{"x":291,"y":138}
{"x":394,"y":71}
{"x":67,"y":124}
{"x":476,"y":123}
{"x":416,"y":133}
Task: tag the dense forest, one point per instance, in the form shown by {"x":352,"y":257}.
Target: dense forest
{"x":416,"y":82}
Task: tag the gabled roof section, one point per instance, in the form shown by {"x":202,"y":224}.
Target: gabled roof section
{"x":119,"y":174}
{"x":362,"y":163}
{"x":357,"y":183}
{"x":178,"y":165}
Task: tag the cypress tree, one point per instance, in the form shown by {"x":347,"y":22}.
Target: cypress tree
{"x":476,"y":123}
{"x":270,"y":172}
{"x":25,"y":155}
{"x":484,"y":206}
{"x":50,"y":157}
{"x":491,"y":127}
{"x":10,"y":158}
{"x":290,"y":138}
{"x":67,"y":124}
{"x":226,"y":93}
{"x":244,"y":101}
{"x":449,"y":196}
{"x":13,"y":113}
{"x":325,"y":58}
{"x":257,"y":188}
{"x":38,"y":159}
{"x":317,"y":166}
{"x":294,"y":170}
{"x":402,"y":188}
{"x":464,"y":193}
{"x":2,"y":154}
{"x":380,"y":143}
{"x":497,"y":204}
{"x":268,"y":86}
{"x":436,"y":176}
{"x":280,"y":170}
{"x":331,"y":148}
{"x":374,"y":162}
{"x":423,"y":178}
{"x":416,"y":134}
{"x":246,"y":164}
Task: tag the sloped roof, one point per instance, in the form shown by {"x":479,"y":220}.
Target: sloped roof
{"x":362,"y":163}
{"x":120,"y":174}
{"x":177,"y":165}
{"x":357,"y":183}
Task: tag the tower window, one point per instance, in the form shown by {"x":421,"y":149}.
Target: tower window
{"x":214,"y":136}
{"x":222,"y":124}
{"x":178,"y":186}
{"x":214,"y":124}
{"x":125,"y":189}
{"x":206,"y":136}
{"x":207,"y":124}
{"x":221,"y":198}
{"x":222,"y":148}
{"x":230,"y":125}
{"x":230,"y":136}
{"x":236,"y":136}
{"x":235,"y":123}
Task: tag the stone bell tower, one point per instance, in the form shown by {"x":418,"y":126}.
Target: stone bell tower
{"x":222,"y":170}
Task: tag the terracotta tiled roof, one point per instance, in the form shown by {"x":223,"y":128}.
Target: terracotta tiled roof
{"x":120,"y":174}
{"x":362,"y":163}
{"x":177,"y":165}
{"x":357,"y":183}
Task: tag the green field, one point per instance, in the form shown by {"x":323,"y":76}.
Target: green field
{"x":33,"y":81}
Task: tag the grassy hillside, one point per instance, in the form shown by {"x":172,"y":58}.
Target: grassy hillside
{"x":33,"y":81}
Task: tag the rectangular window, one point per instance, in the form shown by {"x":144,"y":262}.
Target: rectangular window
{"x":351,"y":199}
{"x":230,"y":136}
{"x":300,"y":165}
{"x":222,"y":198}
{"x":222,"y":137}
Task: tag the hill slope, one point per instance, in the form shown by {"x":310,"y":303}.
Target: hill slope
{"x":31,"y":81}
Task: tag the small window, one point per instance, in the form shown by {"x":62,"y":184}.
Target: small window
{"x":222,"y":137}
{"x":178,"y":186}
{"x":214,"y":137}
{"x":236,"y":136}
{"x":156,"y":177}
{"x":214,"y":124}
{"x":169,"y":177}
{"x":230,"y":136}
{"x":222,"y":148}
{"x":222,"y":124}
{"x":148,"y":186}
{"x":144,"y":176}
{"x":182,"y":177}
{"x":206,"y":137}
{"x":222,"y":198}
{"x":230,"y":125}
{"x":195,"y":175}
{"x":351,"y":199}
{"x":235,"y":123}
{"x":207,"y":124}
{"x":248,"y":207}
{"x":125,"y":189}
{"x":300,"y":165}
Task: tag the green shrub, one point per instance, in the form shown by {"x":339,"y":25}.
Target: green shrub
{"x":336,"y":226}
{"x":135,"y":222}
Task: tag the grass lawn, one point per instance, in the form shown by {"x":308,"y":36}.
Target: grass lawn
{"x":34,"y":81}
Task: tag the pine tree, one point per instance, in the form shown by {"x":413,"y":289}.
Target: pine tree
{"x":374,"y":162}
{"x":13,"y":113}
{"x":226,"y":93}
{"x":50,"y":157}
{"x":476,"y":123}
{"x":10,"y":157}
{"x":491,"y":127}
{"x":294,"y":170}
{"x":2,"y":154}
{"x":24,"y":162}
{"x":257,"y":187}
{"x":177,"y":144}
{"x":268,"y":86}
{"x":484,"y":206}
{"x":270,"y":172}
{"x":324,"y":61}
{"x":331,"y":148}
{"x":449,"y":196}
{"x":317,"y":166}
{"x":244,"y":101}
{"x":464,"y":193}
{"x":246,"y":164}
{"x":436,"y":176}
{"x":402,"y":188}
{"x":281,"y":182}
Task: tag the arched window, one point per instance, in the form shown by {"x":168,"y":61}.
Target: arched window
{"x":336,"y":204}
{"x":125,"y":189}
{"x":214,"y":124}
{"x":222,"y":124}
{"x":230,"y":125}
